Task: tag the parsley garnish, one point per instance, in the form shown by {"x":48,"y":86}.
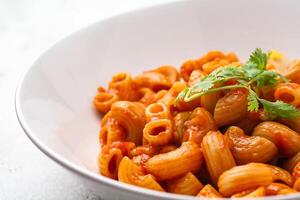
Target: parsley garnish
{"x":253,"y":103}
{"x":279,"y":109}
{"x":251,"y":75}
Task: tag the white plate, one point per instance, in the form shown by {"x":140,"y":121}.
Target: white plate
{"x":53,"y":100}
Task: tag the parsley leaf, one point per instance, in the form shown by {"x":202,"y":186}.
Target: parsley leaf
{"x":250,"y":70}
{"x":259,"y":58}
{"x":266,"y":78}
{"x":204,"y":85}
{"x":255,"y":70}
{"x":227,"y":72}
{"x":253,"y":103}
{"x":256,"y":64}
{"x":279,"y":109}
{"x":219,"y":75}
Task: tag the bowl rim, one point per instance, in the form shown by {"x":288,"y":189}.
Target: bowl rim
{"x":76,"y":168}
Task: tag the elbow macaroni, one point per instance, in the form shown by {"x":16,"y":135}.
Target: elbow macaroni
{"x":244,"y":177}
{"x":186,"y":158}
{"x":286,"y":140}
{"x":289,"y":93}
{"x":209,"y":191}
{"x":197,"y":125}
{"x":231,"y":108}
{"x":248,"y":149}
{"x":158,"y":132}
{"x":130,"y":116}
{"x":187,"y":184}
{"x":217,"y":154}
{"x":133,"y":174}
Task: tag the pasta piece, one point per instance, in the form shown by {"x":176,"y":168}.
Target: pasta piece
{"x":169,"y":99}
{"x":251,"y":120}
{"x":111,"y":132}
{"x":286,"y":140}
{"x":296,"y":185}
{"x":209,"y":101}
{"x":125,"y":147}
{"x":278,"y":189}
{"x":130,"y":116}
{"x":199,"y":123}
{"x":152,"y":80}
{"x":215,"y":64}
{"x":217,"y":155}
{"x":296,"y":177}
{"x":231,"y":108}
{"x":187,"y":184}
{"x":158,"y":132}
{"x":103,"y":101}
{"x":183,"y":106}
{"x":196,"y":76}
{"x":134,"y":175}
{"x":296,"y":171}
{"x":179,"y":129}
{"x":292,"y":123}
{"x":140,"y":159}
{"x":158,"y":79}
{"x":209,"y":191}
{"x":109,"y":163}
{"x":157,"y":111}
{"x":231,"y":59}
{"x":186,"y":158}
{"x":241,"y":178}
{"x":267,"y":92}
{"x":176,"y":88}
{"x":250,"y":149}
{"x":147,"y":96}
{"x":160,"y":94}
{"x":259,"y":192}
{"x":293,"y":71}
{"x":281,"y":175}
{"x":167,"y":148}
{"x":123,"y":86}
{"x":169,"y":72}
{"x":288,"y":93}
{"x":110,"y":157}
{"x":189,"y":66}
{"x":149,"y":150}
{"x":210,"y":56}
{"x":292,"y":162}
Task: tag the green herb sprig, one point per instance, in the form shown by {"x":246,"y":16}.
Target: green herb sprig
{"x":251,"y":75}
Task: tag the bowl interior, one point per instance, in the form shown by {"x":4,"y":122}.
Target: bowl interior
{"x":55,"y":95}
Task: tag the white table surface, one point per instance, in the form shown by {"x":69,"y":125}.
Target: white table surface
{"x":27,"y":27}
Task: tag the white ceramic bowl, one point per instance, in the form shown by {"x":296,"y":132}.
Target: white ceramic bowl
{"x":53,"y":100}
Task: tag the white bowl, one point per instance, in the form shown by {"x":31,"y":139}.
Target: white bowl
{"x":53,"y":100}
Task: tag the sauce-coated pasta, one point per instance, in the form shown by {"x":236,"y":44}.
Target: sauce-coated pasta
{"x":217,"y":127}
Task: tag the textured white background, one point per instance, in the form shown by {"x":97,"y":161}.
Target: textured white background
{"x":27,"y":27}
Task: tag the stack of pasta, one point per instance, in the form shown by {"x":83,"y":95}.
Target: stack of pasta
{"x":168,"y":130}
